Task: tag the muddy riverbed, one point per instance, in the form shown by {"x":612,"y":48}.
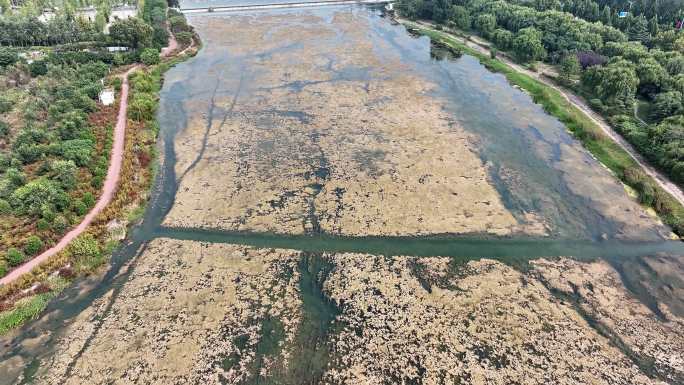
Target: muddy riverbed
{"x":338,"y":205}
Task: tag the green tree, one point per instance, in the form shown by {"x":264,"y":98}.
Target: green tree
{"x":149,"y":56}
{"x":38,"y":68}
{"x":184,"y":38}
{"x":132,"y":32}
{"x":5,"y":207}
{"x":606,"y":15}
{"x":461,"y":17}
{"x":485,"y":24}
{"x":615,"y":83}
{"x":653,"y":27}
{"x":64,"y":172}
{"x":78,"y":150}
{"x":651,"y":76}
{"x":7,"y":56}
{"x":33,"y":197}
{"x":675,"y":65}
{"x":33,"y":245}
{"x":527,"y":45}
{"x":142,"y":107}
{"x":5,"y":6}
{"x":638,"y":31}
{"x":666,"y":104}
{"x":665,"y":39}
{"x":14,"y":257}
{"x":503,"y":38}
{"x":570,"y":68}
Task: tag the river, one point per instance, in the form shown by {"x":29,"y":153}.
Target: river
{"x":299,"y":145}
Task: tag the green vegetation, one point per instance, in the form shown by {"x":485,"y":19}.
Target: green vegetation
{"x":608,"y":59}
{"x":25,"y":310}
{"x":54,"y":136}
{"x":65,"y":183}
{"x":607,"y":151}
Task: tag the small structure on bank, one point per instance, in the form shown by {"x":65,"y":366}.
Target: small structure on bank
{"x":107,"y":96}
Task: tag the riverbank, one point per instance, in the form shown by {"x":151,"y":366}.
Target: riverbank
{"x":584,"y":126}
{"x":23,"y":295}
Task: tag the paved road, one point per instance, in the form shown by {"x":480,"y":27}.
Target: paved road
{"x":578,"y":102}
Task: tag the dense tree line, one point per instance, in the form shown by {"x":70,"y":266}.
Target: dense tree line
{"x":611,"y":67}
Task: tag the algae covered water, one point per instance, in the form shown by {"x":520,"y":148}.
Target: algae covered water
{"x":303,"y":152}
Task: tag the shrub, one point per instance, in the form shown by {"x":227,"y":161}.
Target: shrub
{"x":14,"y":257}
{"x":88,"y":199}
{"x":7,"y":57}
{"x":42,"y":224}
{"x":37,"y":195}
{"x":184,"y":38}
{"x":5,"y":207}
{"x":4,"y":129}
{"x":142,"y":107}
{"x":492,"y":52}
{"x":80,"y":208}
{"x":38,"y":68}
{"x":86,"y":251}
{"x":3,"y":268}
{"x":33,"y":245}
{"x":149,"y":56}
{"x":60,"y":224}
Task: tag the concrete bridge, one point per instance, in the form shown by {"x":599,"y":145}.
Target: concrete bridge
{"x":232,"y":8}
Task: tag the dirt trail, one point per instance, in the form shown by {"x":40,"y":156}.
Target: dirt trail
{"x":580,"y":104}
{"x":108,"y":189}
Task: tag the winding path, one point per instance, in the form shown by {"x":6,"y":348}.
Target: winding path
{"x":663,"y":181}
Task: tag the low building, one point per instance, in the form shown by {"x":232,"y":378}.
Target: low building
{"x":107,"y":96}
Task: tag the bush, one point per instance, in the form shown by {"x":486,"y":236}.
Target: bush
{"x":5,"y":207}
{"x":184,"y":38}
{"x":60,"y":224}
{"x":14,"y":257}
{"x":3,"y":269}
{"x":4,"y":129}
{"x":149,"y":56}
{"x":80,"y":208}
{"x":142,"y":107}
{"x":88,"y":199}
{"x":42,"y":224}
{"x":492,"y":52}
{"x":86,"y":251}
{"x":33,"y":245}
{"x":38,"y":68}
{"x":7,"y":57}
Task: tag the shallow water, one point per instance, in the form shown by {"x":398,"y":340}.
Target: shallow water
{"x":535,"y":166}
